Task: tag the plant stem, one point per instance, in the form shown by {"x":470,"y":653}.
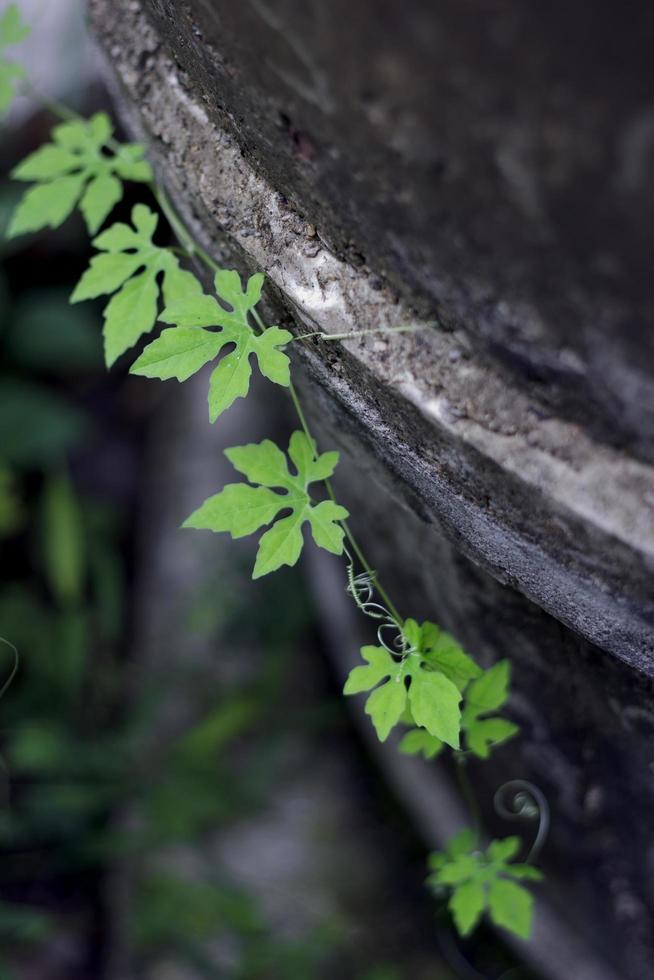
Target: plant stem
{"x":409,"y":328}
{"x":187,"y":242}
{"x":468,"y":794}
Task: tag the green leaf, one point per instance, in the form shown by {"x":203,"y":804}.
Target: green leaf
{"x":273,"y":363}
{"x":491,"y":690}
{"x":46,"y":163}
{"x":449,"y":657}
{"x":177,"y":353}
{"x":240,"y":509}
{"x":385,"y":706}
{"x":484,"y":694}
{"x":466,"y":904}
{"x":303,"y":455}
{"x":178,"y":283}
{"x":433,"y":698}
{"x":10,"y":72}
{"x":79,"y":156}
{"x":261,"y":462}
{"x":511,"y":906}
{"x":129,"y":261}
{"x":129,"y":314}
{"x":46,"y":205}
{"x":325,"y":527}
{"x":229,"y":288}
{"x":130,"y":165}
{"x":482,"y":734}
{"x":504,"y":850}
{"x":420,"y":742}
{"x":466,"y":870}
{"x":231,"y":378}
{"x":12,"y":31}
{"x":461,"y":843}
{"x":380,"y":665}
{"x":63,"y":541}
{"x":441,"y":650}
{"x":100,"y":197}
{"x":525,"y":871}
{"x":460,"y":869}
{"x":281,"y":545}
{"x":105,"y":274}
{"x":435,"y":705}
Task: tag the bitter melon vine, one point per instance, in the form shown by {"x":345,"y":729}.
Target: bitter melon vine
{"x":417,"y":677}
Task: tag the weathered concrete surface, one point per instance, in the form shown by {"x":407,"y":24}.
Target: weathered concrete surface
{"x":515,"y":440}
{"x":493,"y":160}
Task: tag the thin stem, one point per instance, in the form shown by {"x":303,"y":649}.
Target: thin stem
{"x":348,"y":533}
{"x":178,"y":227}
{"x":468,"y":794}
{"x":356,"y":548}
{"x":299,"y":411}
{"x":52,"y":105}
{"x":409,"y":328}
{"x":14,"y":667}
{"x":181,"y":231}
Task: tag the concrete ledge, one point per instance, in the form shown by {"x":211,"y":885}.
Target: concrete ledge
{"x":532,"y":498}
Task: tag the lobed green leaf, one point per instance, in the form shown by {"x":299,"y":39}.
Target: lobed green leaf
{"x":420,"y":742}
{"x":511,"y":906}
{"x":435,"y":705}
{"x":46,"y":205}
{"x":231,"y":378}
{"x":12,"y":31}
{"x":467,"y":904}
{"x":385,"y":706}
{"x":129,"y":264}
{"x":242,"y":509}
{"x":79,"y":156}
{"x":483,"y":881}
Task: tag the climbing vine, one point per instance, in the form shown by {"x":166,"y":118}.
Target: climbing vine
{"x":417,"y":677}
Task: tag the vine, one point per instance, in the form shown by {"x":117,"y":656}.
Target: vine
{"x":417,"y":677}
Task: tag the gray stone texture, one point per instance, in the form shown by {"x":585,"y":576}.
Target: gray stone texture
{"x":485,"y":166}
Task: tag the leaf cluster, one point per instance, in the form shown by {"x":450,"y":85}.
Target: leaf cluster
{"x":426,"y":680}
{"x":129,"y":265}
{"x":12,"y":31}
{"x":182,"y":350}
{"x":484,"y":692}
{"x":77,"y":166}
{"x":424,"y":684}
{"x":483,"y":881}
{"x":242,"y":508}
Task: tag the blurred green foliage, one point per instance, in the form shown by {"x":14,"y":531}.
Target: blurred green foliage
{"x":76,"y":748}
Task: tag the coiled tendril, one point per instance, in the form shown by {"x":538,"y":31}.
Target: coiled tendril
{"x":521,"y":800}
{"x":362,"y":589}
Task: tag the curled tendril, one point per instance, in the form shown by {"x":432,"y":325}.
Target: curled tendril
{"x":14,"y":668}
{"x":521,"y":800}
{"x":4,"y":772}
{"x":362,"y":589}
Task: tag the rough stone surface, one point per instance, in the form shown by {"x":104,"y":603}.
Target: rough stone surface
{"x":406,"y":166}
{"x":492,"y":161}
